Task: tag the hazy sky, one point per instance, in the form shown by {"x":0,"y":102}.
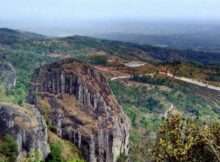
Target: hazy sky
{"x":66,"y":17}
{"x":85,"y":10}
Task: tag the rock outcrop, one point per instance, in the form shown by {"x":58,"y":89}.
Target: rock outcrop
{"x":26,"y":126}
{"x":82,"y":109}
{"x":8,"y":74}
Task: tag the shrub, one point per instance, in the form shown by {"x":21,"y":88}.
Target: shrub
{"x":94,"y":59}
{"x":123,"y":158}
{"x":3,"y":158}
{"x":55,"y":154}
{"x":33,"y":156}
{"x":9,"y":148}
{"x":184,"y":140}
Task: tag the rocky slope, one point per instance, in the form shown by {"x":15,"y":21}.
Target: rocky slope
{"x":8,"y":74}
{"x":26,"y":126}
{"x":81,"y":109}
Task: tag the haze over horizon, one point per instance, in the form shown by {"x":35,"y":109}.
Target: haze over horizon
{"x":65,"y":17}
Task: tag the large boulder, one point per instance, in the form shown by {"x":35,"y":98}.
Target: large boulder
{"x":81,"y":109}
{"x":26,"y":126}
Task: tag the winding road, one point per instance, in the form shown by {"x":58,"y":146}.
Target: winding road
{"x":188,"y":80}
{"x":121,"y":77}
{"x":169,"y":110}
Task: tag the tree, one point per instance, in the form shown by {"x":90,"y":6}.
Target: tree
{"x":186,"y":140}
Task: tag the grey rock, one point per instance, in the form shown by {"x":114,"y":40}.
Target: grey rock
{"x":83,"y":109}
{"x":8,"y":74}
{"x":26,"y":126}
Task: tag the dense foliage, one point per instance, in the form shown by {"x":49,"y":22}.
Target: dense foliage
{"x":94,"y":59}
{"x":155,"y":80}
{"x":185,"y":139}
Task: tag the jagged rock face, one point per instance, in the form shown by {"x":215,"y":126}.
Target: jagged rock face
{"x":8,"y":74}
{"x":27,"y":126}
{"x":83,"y":109}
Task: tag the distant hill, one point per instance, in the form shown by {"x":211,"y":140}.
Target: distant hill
{"x":144,"y":52}
{"x":16,"y":33}
{"x":76,"y":45}
{"x":12,"y":37}
{"x":7,"y":31}
{"x":198,"y":41}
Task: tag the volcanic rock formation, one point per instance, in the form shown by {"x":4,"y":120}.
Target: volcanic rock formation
{"x":81,"y":109}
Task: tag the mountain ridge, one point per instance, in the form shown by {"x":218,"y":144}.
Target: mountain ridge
{"x":87,"y":45}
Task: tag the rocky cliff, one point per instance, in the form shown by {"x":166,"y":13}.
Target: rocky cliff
{"x":81,"y":109}
{"x":8,"y":74}
{"x":26,"y":126}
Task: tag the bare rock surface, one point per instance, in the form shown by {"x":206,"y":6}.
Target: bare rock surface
{"x":26,"y":126}
{"x":8,"y":74}
{"x":81,"y":109}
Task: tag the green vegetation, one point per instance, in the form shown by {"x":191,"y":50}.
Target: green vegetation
{"x":8,"y":149}
{"x":3,"y":158}
{"x":145,"y":105}
{"x":183,"y":97}
{"x":137,"y":96}
{"x":94,"y":59}
{"x":187,"y":139}
{"x":24,"y":63}
{"x":55,"y":154}
{"x":207,"y":72}
{"x":144,"y":113}
{"x":122,"y":158}
{"x":63,"y":150}
{"x":155,"y":80}
{"x":33,"y":156}
{"x":13,"y":95}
